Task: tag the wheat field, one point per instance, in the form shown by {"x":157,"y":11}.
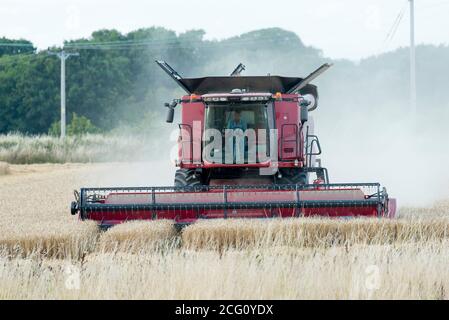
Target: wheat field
{"x":4,"y":168}
{"x":45,"y":253}
{"x":17,"y":148}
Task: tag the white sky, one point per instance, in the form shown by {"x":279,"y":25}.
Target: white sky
{"x":342,"y":29}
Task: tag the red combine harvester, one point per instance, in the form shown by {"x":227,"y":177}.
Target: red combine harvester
{"x":246,"y":150}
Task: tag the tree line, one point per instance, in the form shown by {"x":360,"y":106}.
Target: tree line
{"x":115,"y":83}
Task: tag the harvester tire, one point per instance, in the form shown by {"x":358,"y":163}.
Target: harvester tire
{"x":187,"y":178}
{"x":293,"y":176}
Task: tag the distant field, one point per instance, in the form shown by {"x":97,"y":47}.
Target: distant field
{"x":46,"y":253}
{"x":22,"y":149}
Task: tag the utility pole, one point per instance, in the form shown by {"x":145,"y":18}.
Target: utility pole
{"x":412,"y":59}
{"x":63,"y":56}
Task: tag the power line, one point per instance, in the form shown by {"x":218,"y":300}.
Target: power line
{"x":19,"y":45}
{"x":120,"y":42}
{"x":179,"y":42}
{"x":158,"y":41}
{"x":390,"y":36}
{"x":394,"y":27}
{"x":176,"y":43}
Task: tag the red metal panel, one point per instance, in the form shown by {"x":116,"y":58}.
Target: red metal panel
{"x":192,"y":120}
{"x":287,"y":125}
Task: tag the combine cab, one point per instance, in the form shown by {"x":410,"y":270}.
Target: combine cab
{"x":246,"y":149}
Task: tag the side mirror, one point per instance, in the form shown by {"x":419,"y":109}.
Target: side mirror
{"x":304,"y":113}
{"x":312,"y":101}
{"x":171,"y":111}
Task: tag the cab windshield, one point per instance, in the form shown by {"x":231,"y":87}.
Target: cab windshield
{"x":236,"y":133}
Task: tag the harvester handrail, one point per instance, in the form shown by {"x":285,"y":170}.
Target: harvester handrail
{"x":238,"y":187}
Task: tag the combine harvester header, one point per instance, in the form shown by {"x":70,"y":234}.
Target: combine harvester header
{"x":246,"y":149}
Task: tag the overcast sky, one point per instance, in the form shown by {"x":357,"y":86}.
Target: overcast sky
{"x":342,"y":29}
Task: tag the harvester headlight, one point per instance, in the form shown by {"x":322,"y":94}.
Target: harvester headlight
{"x":255,"y":98}
{"x":247,"y":98}
{"x":215,"y":99}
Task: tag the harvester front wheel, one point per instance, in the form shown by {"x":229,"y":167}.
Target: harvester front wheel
{"x":187,"y":178}
{"x":293,"y":176}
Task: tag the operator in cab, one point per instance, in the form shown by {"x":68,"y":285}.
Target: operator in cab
{"x":235,"y":143}
{"x":237,"y":122}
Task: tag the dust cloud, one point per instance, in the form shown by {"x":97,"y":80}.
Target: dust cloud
{"x":408,"y":155}
{"x":367,"y":131}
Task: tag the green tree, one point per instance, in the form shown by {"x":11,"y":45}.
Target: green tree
{"x":79,"y":125}
{"x":115,"y":81}
{"x":13,"y":47}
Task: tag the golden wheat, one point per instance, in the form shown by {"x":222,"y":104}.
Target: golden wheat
{"x":34,"y":214}
{"x":438,"y":209}
{"x":138,"y":236}
{"x":402,"y":271}
{"x":233,"y":259}
{"x":71,"y":241}
{"x":222,"y":234}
